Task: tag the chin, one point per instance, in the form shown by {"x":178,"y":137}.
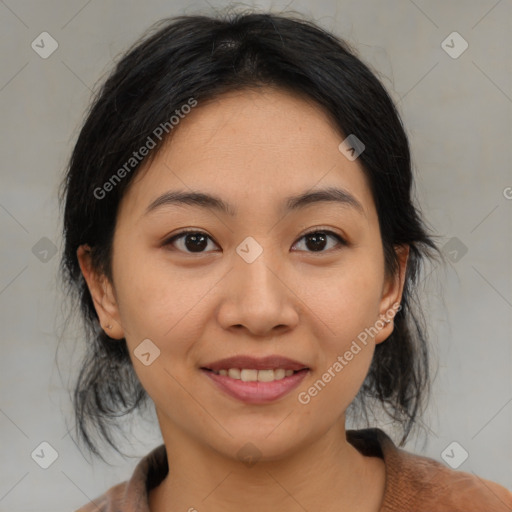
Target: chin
{"x":263,"y":444}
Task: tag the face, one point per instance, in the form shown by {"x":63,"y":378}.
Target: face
{"x":261,"y":279}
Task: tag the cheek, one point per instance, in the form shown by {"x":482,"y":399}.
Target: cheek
{"x":152,"y":295}
{"x":171,"y":314}
{"x":344,"y":300}
{"x":344,"y":364}
{"x":347,"y":309}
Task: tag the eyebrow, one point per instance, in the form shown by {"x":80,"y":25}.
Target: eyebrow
{"x":292,"y":203}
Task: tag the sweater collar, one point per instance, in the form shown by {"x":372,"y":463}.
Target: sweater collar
{"x":153,"y":468}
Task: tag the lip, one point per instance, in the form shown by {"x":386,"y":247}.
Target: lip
{"x":272,"y":362}
{"x":256,"y":392}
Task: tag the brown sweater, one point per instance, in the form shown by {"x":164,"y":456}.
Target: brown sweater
{"x":413,"y":483}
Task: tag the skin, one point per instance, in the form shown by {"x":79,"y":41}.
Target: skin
{"x":253,"y":149}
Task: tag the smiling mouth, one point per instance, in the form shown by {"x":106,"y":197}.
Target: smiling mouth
{"x":256,"y":387}
{"x":252,"y":375}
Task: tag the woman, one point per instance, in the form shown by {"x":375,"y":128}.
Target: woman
{"x":240,"y":233}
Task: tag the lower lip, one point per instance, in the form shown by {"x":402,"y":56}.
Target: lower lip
{"x":257,"y":392}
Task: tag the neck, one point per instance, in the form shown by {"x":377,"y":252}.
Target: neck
{"x":329,"y":474}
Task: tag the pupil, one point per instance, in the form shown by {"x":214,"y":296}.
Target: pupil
{"x":199,"y":242}
{"x":318,"y":240}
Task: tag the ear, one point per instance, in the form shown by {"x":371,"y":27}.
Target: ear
{"x":392,"y":295}
{"x":102,"y":294}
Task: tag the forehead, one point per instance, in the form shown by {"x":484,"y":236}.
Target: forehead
{"x":252,"y":148}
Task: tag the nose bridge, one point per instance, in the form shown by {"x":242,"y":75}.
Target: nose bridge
{"x":256,"y":297}
{"x":256,"y":269}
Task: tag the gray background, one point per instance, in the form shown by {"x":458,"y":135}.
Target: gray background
{"x":457,"y":112}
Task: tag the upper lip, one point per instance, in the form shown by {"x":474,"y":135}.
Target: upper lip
{"x":271,"y":362}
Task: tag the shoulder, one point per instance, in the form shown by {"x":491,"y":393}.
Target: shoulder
{"x":428,"y":480}
{"x":426,"y":484}
{"x":419,"y":483}
{"x":133,"y":494}
{"x":108,"y":501}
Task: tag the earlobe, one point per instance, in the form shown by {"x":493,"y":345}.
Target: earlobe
{"x":102,"y":295}
{"x":392,"y":295}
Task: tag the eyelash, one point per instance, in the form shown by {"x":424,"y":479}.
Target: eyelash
{"x":182,"y":234}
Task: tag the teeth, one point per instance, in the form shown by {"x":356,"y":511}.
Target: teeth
{"x":251,"y":375}
{"x":234,"y":373}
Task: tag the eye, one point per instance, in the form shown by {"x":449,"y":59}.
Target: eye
{"x":317,"y":239}
{"x":192,"y":241}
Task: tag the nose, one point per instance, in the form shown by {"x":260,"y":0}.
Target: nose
{"x":258,"y":298}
